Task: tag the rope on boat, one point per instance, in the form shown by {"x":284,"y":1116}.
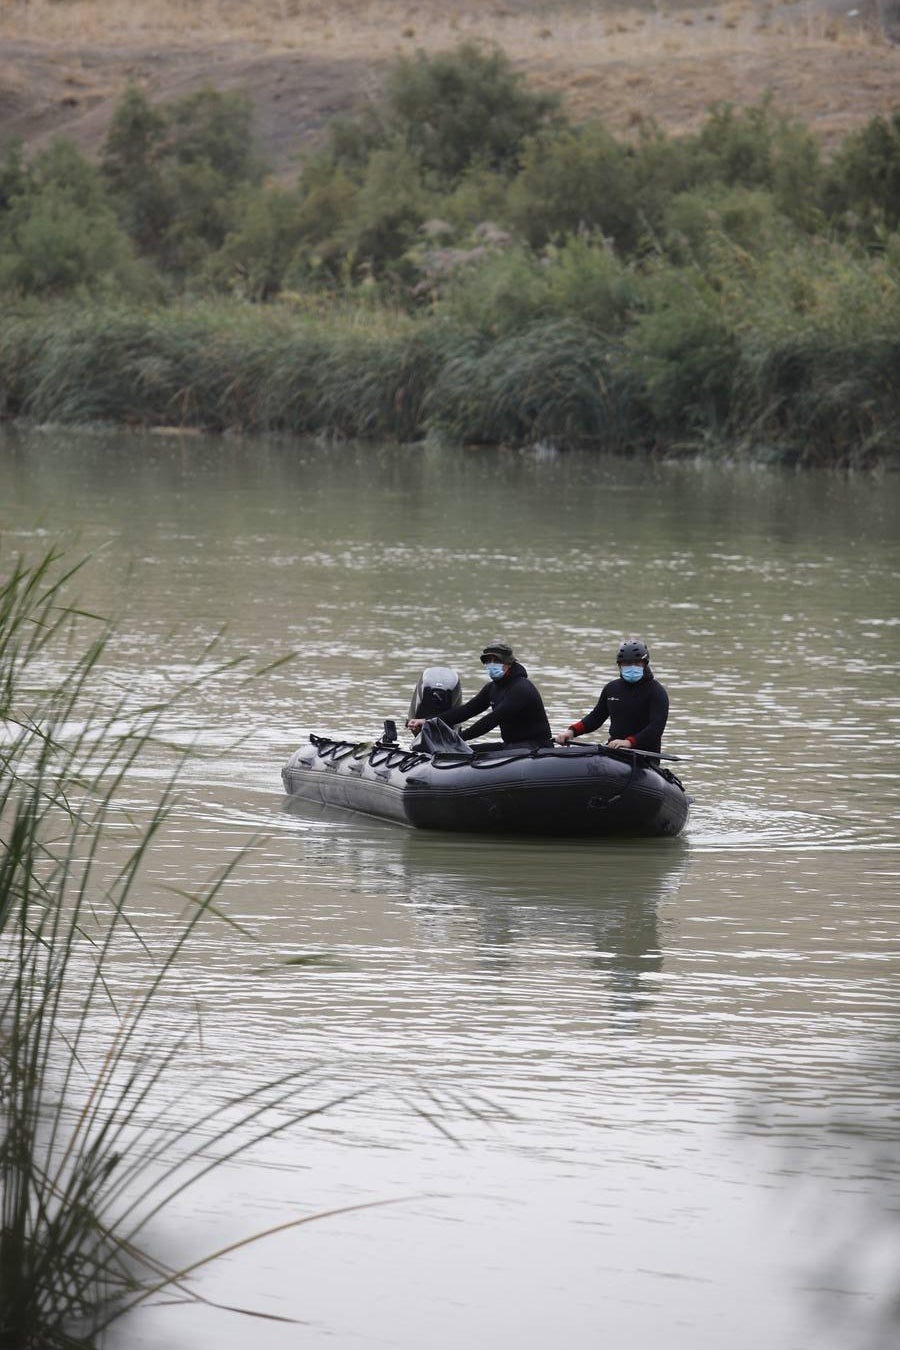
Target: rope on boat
{"x":388,"y":757}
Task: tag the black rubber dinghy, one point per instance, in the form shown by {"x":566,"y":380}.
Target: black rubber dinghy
{"x":574,"y":790}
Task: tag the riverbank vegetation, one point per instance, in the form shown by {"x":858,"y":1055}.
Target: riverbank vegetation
{"x":462,"y":260}
{"x":99,"y":1131}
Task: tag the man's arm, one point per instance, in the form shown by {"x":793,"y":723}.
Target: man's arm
{"x":595,"y":718}
{"x":476,"y":704}
{"x":658,"y":713}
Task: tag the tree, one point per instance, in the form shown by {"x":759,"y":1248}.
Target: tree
{"x":176,"y":172}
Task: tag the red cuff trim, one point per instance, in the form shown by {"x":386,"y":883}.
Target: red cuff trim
{"x":632,"y":740}
{"x":577,"y":727}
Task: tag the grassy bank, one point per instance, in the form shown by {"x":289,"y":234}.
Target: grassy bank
{"x":463,"y":260}
{"x":694,"y":374}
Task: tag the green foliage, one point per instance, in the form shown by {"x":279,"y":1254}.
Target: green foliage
{"x":550,"y":383}
{"x":465,"y":198}
{"x":176,"y":173}
{"x":662,"y":168}
{"x":447,"y":134}
{"x":863,"y":184}
{"x":748,"y":350}
{"x":450,"y":112}
{"x":130,"y":164}
{"x":754,"y":148}
{"x":819,"y":354}
{"x":479,"y":195}
{"x":89,"y":1154}
{"x":257,"y":253}
{"x":59,"y":232}
{"x":580,"y":279}
{"x":798,"y":178}
{"x":53,"y":247}
{"x":736,"y":147}
{"x":697,"y":223}
{"x":385,"y":213}
{"x":577,"y":180}
{"x":326,"y":202}
{"x":683,"y":349}
{"x":13,"y":178}
{"x":465,"y":107}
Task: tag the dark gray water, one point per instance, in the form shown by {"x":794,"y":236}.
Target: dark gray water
{"x":684,"y":1054}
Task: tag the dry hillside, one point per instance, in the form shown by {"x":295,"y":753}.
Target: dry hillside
{"x":64,"y":63}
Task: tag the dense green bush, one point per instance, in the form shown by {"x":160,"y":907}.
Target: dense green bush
{"x":754,"y":148}
{"x":579,"y":279}
{"x":775,"y":353}
{"x":578,"y":180}
{"x":257,"y":253}
{"x":697,"y":223}
{"x":465,"y":107}
{"x":445,"y":233}
{"x":58,"y":231}
{"x":176,"y":172}
{"x":863,"y":183}
{"x":385,"y":214}
{"x":682,"y":349}
{"x":450,"y":112}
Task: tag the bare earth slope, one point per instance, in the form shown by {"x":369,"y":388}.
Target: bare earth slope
{"x":65,"y":63}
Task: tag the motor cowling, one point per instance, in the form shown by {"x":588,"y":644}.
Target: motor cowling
{"x":439,"y":688}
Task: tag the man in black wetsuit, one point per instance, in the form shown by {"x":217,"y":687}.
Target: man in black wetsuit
{"x":636,"y":704}
{"x":509,"y":701}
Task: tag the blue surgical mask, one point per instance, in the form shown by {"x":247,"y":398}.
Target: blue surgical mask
{"x":495,"y":670}
{"x":632,"y":673}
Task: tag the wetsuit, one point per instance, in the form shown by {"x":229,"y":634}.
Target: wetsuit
{"x":515,"y":706}
{"x":637,"y":712}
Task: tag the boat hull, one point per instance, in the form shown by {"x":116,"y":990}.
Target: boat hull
{"x":579,"y":790}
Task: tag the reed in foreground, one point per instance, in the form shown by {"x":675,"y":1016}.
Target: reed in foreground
{"x":88,"y":1155}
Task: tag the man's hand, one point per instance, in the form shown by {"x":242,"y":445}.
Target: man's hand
{"x":619,"y":745}
{"x":565,"y":736}
{"x":415,"y":724}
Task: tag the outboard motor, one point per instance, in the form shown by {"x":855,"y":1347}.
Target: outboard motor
{"x":439,"y":688}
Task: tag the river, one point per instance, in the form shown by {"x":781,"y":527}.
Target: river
{"x":645,"y":1091}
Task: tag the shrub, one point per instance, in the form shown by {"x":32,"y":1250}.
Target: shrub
{"x":176,"y":172}
{"x":451,"y":113}
{"x":257,"y":253}
{"x":736,"y":147}
{"x":464,"y":107}
{"x":383,"y":216}
{"x":13,"y":178}
{"x":759,"y":148}
{"x":696,"y":223}
{"x":59,"y":232}
{"x":580,"y":279}
{"x":578,"y":180}
{"x":132,"y":167}
{"x":863,"y":182}
{"x":683,"y":349}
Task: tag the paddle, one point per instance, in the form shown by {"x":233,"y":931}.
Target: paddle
{"x":646,"y":754}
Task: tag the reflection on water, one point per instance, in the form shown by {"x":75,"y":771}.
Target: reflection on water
{"x":505,"y":894}
{"x":642,"y":1048}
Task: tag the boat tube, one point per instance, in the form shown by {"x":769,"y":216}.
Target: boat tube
{"x":443,"y":783}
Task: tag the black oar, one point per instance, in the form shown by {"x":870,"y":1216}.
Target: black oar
{"x":646,"y":754}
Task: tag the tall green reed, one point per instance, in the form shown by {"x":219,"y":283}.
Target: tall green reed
{"x":87,"y":1157}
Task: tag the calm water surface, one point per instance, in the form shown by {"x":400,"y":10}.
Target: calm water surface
{"x":671,"y":1069}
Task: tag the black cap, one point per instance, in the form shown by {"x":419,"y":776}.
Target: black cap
{"x":501,"y":650}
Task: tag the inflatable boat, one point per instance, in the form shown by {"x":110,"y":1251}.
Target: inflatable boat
{"x":443,"y":783}
{"x":572,"y":790}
